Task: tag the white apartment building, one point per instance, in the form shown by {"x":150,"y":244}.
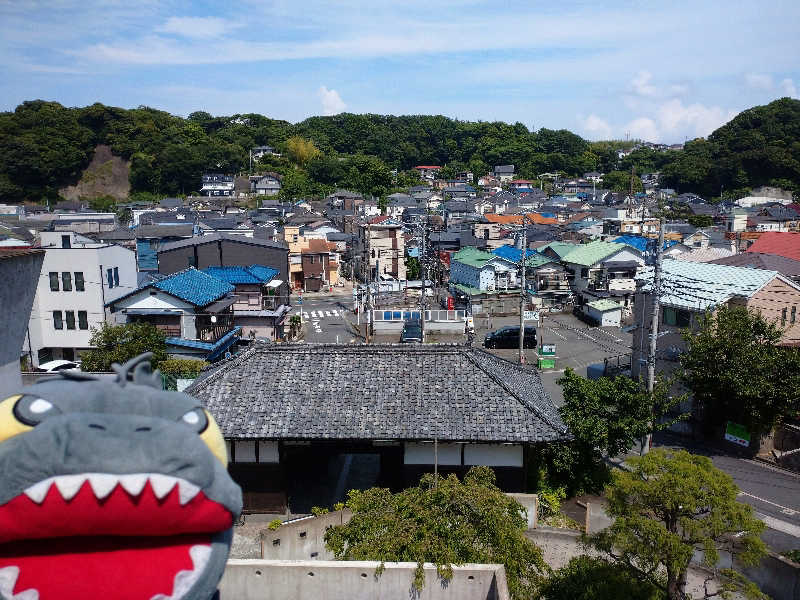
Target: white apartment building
{"x":78,"y":278}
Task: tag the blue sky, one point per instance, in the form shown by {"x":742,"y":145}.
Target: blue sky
{"x":662,"y":71}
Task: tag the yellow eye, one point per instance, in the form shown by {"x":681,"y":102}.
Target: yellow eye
{"x":9,"y":424}
{"x":212,"y":436}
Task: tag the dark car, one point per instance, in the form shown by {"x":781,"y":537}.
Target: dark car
{"x":508,"y":337}
{"x":412,"y":332}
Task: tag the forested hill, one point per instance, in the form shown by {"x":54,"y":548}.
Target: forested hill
{"x":46,"y":146}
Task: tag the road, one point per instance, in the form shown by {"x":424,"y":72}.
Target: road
{"x":324,"y":318}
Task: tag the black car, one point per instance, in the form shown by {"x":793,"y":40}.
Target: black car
{"x":412,"y":332}
{"x":508,"y":337}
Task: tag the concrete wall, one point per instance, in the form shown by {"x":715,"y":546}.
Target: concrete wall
{"x":302,"y":539}
{"x":776,"y":576}
{"x":20,"y":275}
{"x":355,"y":580}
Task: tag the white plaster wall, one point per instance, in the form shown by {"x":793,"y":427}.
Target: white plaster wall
{"x":493,"y":455}
{"x":423,"y":454}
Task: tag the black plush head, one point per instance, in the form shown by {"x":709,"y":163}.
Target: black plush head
{"x":112,"y":489}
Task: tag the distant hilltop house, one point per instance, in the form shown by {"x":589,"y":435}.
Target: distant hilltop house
{"x":217,"y":185}
{"x":428,"y":171}
{"x":504,"y":173}
{"x":260,"y":151}
{"x":268,"y":185}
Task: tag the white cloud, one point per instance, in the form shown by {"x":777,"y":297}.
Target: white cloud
{"x":597,"y":128}
{"x":332,"y":103}
{"x":758,"y":81}
{"x":693,"y":119}
{"x":788,"y":87}
{"x":641,"y":86}
{"x":643,"y":128}
{"x":198,"y":27}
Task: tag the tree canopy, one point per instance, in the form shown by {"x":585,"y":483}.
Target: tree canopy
{"x":120,"y":343}
{"x":442,"y":521}
{"x":670,"y":505}
{"x":736,"y":372}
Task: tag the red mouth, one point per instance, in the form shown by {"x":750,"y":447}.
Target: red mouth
{"x":137,"y":537}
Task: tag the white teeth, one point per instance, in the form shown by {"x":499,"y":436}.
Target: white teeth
{"x":186,"y":491}
{"x":162,"y":484}
{"x":38,"y":492}
{"x":133,"y":484}
{"x":184,"y":580}
{"x":8,"y":579}
{"x":102,"y":484}
{"x":69,"y":485}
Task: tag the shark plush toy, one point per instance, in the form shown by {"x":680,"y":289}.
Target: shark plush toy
{"x":112,"y":489}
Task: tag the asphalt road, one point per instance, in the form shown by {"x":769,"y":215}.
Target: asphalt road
{"x":324,"y":318}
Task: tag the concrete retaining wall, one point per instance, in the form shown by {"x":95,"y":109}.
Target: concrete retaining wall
{"x":303,"y":539}
{"x":776,"y":576}
{"x":356,"y":580}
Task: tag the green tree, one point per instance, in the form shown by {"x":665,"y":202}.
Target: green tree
{"x":120,"y":343}
{"x":301,"y":151}
{"x":700,"y":220}
{"x":606,"y":416}
{"x":620,"y":181}
{"x":670,"y":505}
{"x":413,"y":268}
{"x":442,"y":521}
{"x":295,"y":184}
{"x":103,"y":203}
{"x":736,"y":372}
{"x":588,"y":578}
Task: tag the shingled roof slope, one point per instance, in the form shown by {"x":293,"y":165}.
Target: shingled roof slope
{"x":400,"y":392}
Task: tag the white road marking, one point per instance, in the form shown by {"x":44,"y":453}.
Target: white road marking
{"x":328,"y":314}
{"x":555,"y":333}
{"x":784,"y":509}
{"x":612,"y":336}
{"x":335,"y":313}
{"x":779,"y":525}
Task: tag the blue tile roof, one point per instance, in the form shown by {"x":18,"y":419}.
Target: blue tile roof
{"x":193,"y":286}
{"x":639,"y":242}
{"x":234,"y":275}
{"x":214,"y":350}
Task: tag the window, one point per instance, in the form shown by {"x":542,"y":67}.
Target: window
{"x":58,"y":323}
{"x":110,"y":277}
{"x":65,"y":242}
{"x":83,"y":320}
{"x":584,"y":273}
{"x":66,"y":281}
{"x":794,"y":315}
{"x":783,"y":316}
{"x":116,"y":276}
{"x":53,"y":281}
{"x":676,"y":318}
{"x":79,"y":286}
{"x":70,"y":317}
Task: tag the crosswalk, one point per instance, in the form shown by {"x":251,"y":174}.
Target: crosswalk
{"x":322,"y":314}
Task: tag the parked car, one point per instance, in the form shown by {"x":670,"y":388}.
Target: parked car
{"x":412,"y":332}
{"x":508,"y":337}
{"x":54,"y":366}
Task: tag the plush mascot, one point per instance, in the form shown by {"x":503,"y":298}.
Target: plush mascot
{"x":112,"y":489}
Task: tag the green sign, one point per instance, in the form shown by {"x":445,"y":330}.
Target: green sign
{"x":547,"y":350}
{"x":547,"y":363}
{"x":737,"y":434}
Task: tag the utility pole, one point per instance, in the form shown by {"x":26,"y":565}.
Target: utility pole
{"x":422,"y":262}
{"x":655,"y":305}
{"x":522,"y":293}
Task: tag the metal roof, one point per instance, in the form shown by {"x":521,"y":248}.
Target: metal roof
{"x":591,"y":253}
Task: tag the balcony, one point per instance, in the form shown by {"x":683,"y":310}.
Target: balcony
{"x":211,"y":328}
{"x":553,"y":285}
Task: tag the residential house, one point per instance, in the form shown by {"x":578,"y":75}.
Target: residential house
{"x":320,"y":265}
{"x":380,"y":250}
{"x":556,"y":249}
{"x":689,"y":289}
{"x":504,"y":173}
{"x":216,"y":184}
{"x":785,"y":244}
{"x":221,"y":250}
{"x":233,"y":225}
{"x":593,"y":176}
{"x":515,"y":184}
{"x":150,"y":238}
{"x":83,"y":222}
{"x":602,"y":270}
{"x":545,"y":278}
{"x":479,"y":270}
{"x":787,"y":267}
{"x":20,"y":271}
{"x":708,"y":254}
{"x":259,"y":151}
{"x":258,"y":309}
{"x":397,"y":203}
{"x":79,"y":276}
{"x":483,"y":410}
{"x":457,"y":211}
{"x":268,"y":185}
{"x":459,"y":191}
{"x":428,"y":172}
{"x":192,"y":308}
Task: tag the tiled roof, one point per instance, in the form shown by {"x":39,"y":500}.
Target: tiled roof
{"x":394,"y":392}
{"x":704,"y":255}
{"x":781,"y":243}
{"x":698,"y":286}
{"x":211,"y":238}
{"x":591,"y":253}
{"x":194,"y":286}
{"x":234,"y":275}
{"x":756,"y":260}
{"x":534,"y":218}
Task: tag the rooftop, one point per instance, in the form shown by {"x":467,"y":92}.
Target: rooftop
{"x":473,"y":257}
{"x":190,"y":285}
{"x":216,"y":237}
{"x":756,"y":260}
{"x":252,"y":274}
{"x":591,"y":253}
{"x":781,"y":243}
{"x":383,"y":392}
{"x":604,"y":305}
